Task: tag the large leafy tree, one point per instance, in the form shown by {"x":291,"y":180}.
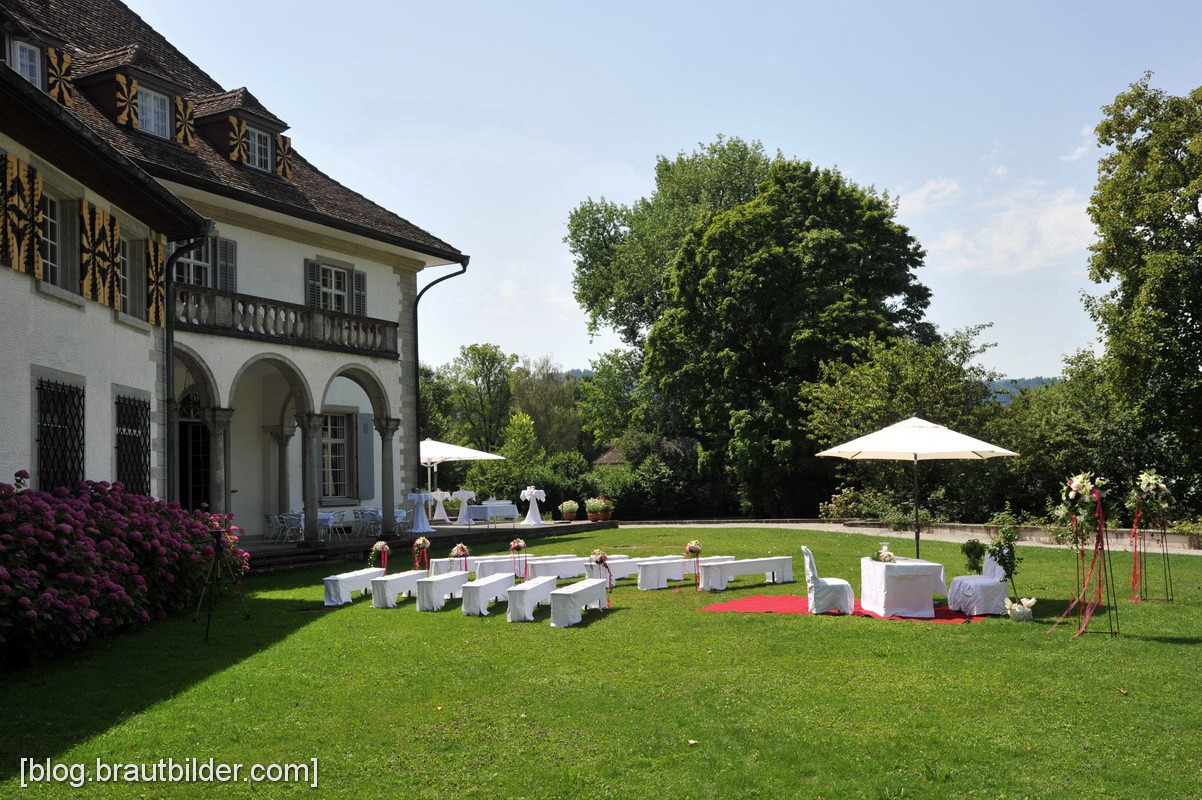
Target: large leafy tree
{"x":623,"y":253}
{"x":1149,"y":248}
{"x":546,"y":394}
{"x":758,"y":297}
{"x":607,"y":397}
{"x":481,"y":398}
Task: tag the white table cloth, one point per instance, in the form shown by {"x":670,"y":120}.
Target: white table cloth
{"x":440,"y":511}
{"x":339,"y":587}
{"x":567,"y":602}
{"x":420,"y":523}
{"x":432,"y":592}
{"x":534,"y":497}
{"x":902,"y":588}
{"x":325,"y":521}
{"x":524,"y":597}
{"x":463,"y":495}
{"x":479,"y":593}
{"x":776,"y":569}
{"x":386,"y":589}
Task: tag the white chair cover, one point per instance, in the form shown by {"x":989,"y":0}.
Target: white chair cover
{"x":977,"y":595}
{"x":826,"y":594}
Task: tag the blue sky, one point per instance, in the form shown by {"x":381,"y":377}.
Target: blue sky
{"x":485,"y":123}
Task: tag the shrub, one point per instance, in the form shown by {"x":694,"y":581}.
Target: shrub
{"x":78,"y":564}
{"x":974,"y":554}
{"x":850,"y":503}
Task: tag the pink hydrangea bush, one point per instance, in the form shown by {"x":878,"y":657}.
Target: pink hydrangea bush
{"x":78,"y":564}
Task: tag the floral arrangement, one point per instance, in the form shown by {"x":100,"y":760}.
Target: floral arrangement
{"x":421,"y":543}
{"x":693,"y":548}
{"x":376,"y":553}
{"x":1080,"y":496}
{"x":884,"y":556}
{"x":459,"y":551}
{"x":1150,"y":494}
{"x":517,"y":545}
{"x":421,"y":554}
{"x":80,"y":563}
{"x":595,"y":505}
{"x":599,"y":557}
{"x":569,"y":507}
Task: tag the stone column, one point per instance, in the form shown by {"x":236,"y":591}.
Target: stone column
{"x":387,"y":428}
{"x":219,"y":429}
{"x":281,"y":434}
{"x":310,"y":425}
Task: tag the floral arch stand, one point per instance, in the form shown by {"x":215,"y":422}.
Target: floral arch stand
{"x":1084,"y":497}
{"x":1149,"y":501}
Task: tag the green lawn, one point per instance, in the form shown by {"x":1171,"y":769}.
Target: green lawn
{"x":650,"y":699}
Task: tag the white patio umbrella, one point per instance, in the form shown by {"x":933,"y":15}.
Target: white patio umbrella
{"x":432,"y":453}
{"x":915,"y":440}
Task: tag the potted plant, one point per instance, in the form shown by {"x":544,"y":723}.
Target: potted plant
{"x":608,"y":511}
{"x":568,"y":509}
{"x":594,"y":506}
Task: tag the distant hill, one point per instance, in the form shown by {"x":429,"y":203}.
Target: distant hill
{"x":1008,"y":388}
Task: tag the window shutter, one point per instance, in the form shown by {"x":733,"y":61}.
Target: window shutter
{"x":359,"y":308}
{"x":365,"y":472}
{"x":312,"y":283}
{"x":227,"y":265}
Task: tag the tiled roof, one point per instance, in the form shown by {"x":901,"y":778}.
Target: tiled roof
{"x":236,"y":100}
{"x":108,"y":33}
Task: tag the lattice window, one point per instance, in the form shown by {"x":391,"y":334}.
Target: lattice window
{"x":133,"y":444}
{"x":60,"y":434}
{"x":335,"y":455}
{"x":190,"y":408}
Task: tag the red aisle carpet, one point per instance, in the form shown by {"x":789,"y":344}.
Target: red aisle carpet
{"x":791,"y":604}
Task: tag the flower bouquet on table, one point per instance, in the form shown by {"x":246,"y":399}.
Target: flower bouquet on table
{"x":460,"y":551}
{"x":421,"y":558}
{"x":379,"y":550}
{"x":883,"y":555}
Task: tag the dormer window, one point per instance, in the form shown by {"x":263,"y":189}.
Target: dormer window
{"x":28,"y":61}
{"x":154,"y":113}
{"x":259,"y":149}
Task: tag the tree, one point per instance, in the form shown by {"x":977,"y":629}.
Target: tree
{"x":1146,"y":209}
{"x":524,"y":462}
{"x":607,"y":397}
{"x":623,"y":253}
{"x":434,"y":411}
{"x":758,"y":298}
{"x":547,"y":395}
{"x":893,"y":380}
{"x":481,"y":398}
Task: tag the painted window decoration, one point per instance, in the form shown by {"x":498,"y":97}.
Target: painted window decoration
{"x":21,"y":223}
{"x":127,"y":101}
{"x":154,"y":113}
{"x":60,"y":434}
{"x":28,"y":62}
{"x":239,"y":140}
{"x":258,"y":149}
{"x":156,"y":281}
{"x":59,"y":84}
{"x":336,"y":445}
{"x":185,"y":121}
{"x":283,"y":156}
{"x":133,"y":444}
{"x":99,"y":255}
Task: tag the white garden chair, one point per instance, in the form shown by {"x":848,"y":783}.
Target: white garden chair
{"x":826,"y":594}
{"x":976,"y":595}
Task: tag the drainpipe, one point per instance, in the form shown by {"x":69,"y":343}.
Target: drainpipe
{"x":169,"y":346}
{"x":417,"y":394}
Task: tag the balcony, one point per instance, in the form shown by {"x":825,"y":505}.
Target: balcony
{"x":246,"y":317}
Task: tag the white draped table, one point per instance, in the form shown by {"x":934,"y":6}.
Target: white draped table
{"x":534,"y":497}
{"x":440,"y":512}
{"x":421,"y":524}
{"x":463,"y":495}
{"x":902,"y":588}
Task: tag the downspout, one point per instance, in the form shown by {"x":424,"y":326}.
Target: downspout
{"x":417,"y":394}
{"x":169,"y":346}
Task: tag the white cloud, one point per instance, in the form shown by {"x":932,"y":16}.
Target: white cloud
{"x":934,"y":194}
{"x":1082,"y":149}
{"x":1027,"y":227}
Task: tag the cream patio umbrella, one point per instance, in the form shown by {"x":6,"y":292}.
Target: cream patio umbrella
{"x":915,"y":440}
{"x":432,"y":453}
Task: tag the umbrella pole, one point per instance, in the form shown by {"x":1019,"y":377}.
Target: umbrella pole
{"x":917,"y":525}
